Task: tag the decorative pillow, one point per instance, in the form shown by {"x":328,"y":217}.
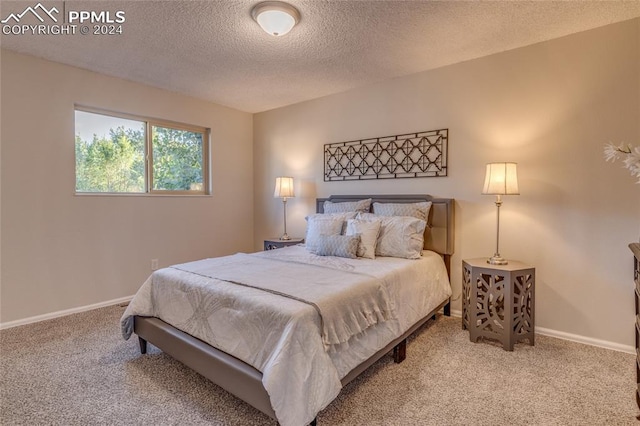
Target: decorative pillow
{"x":347,"y":206}
{"x":342,"y":216}
{"x":323,"y":224}
{"x":419,"y":210}
{"x":337,"y":245}
{"x":400,"y":236}
{"x":368,"y":230}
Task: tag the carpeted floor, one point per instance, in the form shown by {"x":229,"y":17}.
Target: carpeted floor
{"x":77,"y":370}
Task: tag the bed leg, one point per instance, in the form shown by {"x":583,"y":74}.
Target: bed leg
{"x":447,"y":309}
{"x":400,"y":352}
{"x":143,"y":345}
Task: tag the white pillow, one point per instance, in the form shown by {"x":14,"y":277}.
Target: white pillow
{"x":419,"y":210}
{"x":368,"y":230}
{"x":347,"y":206}
{"x":323,"y":224}
{"x":337,"y":245}
{"x":400,"y":236}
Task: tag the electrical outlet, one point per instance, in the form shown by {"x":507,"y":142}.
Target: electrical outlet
{"x":154,"y":264}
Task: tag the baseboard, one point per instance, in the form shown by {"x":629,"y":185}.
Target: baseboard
{"x":575,"y":338}
{"x":586,"y":340}
{"x":66,"y":312}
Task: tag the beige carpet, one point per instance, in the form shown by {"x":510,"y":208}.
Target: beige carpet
{"x":77,"y":370}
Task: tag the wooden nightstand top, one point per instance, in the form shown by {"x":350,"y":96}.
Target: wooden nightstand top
{"x":276,"y":243}
{"x":293,"y":240}
{"x":481,"y":262}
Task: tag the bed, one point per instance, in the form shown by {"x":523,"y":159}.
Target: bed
{"x":324,"y":345}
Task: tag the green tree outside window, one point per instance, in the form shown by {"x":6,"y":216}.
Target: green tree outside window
{"x":111,"y":156}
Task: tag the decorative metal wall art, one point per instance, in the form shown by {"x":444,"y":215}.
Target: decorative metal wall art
{"x":422,"y":154}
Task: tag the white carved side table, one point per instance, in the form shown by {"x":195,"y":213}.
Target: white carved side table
{"x":498,"y":301}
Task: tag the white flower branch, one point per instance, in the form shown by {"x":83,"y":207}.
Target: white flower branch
{"x":629,"y":155}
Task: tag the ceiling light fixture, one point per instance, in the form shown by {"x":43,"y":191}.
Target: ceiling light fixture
{"x":275,"y":17}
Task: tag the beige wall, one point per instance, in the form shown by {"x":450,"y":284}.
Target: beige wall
{"x":549,"y":107}
{"x":62,"y":251}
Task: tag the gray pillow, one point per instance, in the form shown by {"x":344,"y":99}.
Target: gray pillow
{"x":320,"y":224}
{"x":347,"y":206}
{"x":368,"y":230}
{"x":400,"y":236}
{"x":337,"y":245}
{"x":419,"y":210}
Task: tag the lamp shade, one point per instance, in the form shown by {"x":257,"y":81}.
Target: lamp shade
{"x":284,"y":187}
{"x":275,"y":17}
{"x":501,"y":179}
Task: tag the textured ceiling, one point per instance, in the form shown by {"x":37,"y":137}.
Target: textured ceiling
{"x":213,"y":49}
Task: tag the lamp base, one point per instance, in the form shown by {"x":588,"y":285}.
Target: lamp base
{"x":285,"y":237}
{"x":496,"y":259}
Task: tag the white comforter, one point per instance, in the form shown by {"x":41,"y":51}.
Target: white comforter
{"x":302,"y":349}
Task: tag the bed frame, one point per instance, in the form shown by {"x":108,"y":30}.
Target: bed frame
{"x":244,"y":381}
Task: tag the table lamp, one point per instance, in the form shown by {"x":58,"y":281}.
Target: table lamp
{"x":500,"y":179}
{"x":284,"y":190}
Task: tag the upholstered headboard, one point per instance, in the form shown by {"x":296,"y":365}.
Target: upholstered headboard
{"x":440,"y":232}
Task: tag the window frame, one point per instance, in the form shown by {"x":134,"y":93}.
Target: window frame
{"x":149,"y":123}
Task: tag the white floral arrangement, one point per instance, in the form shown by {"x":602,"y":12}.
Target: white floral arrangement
{"x":629,"y":155}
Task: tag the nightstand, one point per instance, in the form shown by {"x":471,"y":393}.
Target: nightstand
{"x":276,"y":243}
{"x":498,"y":301}
{"x":635,"y":248}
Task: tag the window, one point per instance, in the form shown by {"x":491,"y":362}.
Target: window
{"x":118,"y":153}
